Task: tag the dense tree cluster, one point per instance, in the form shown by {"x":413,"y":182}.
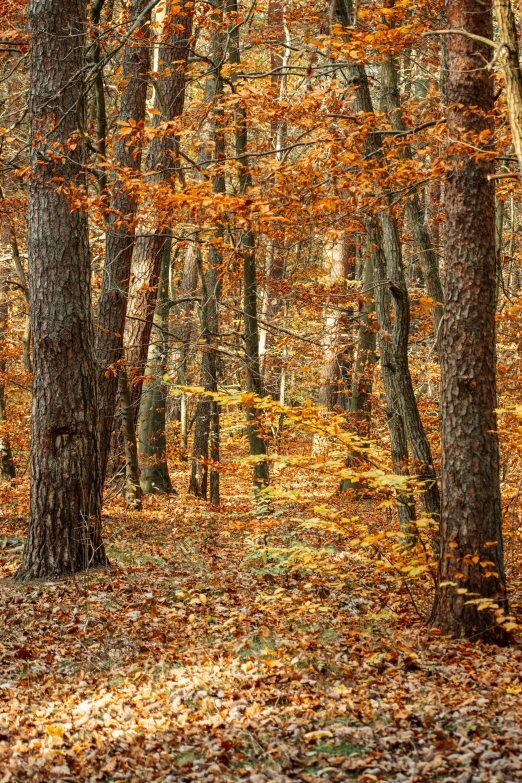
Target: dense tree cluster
{"x":302,"y":213}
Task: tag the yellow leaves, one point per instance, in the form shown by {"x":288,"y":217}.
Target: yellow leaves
{"x":55,"y":732}
{"x":415,"y":570}
{"x":319,"y":734}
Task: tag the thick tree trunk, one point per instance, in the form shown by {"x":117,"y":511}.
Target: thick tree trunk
{"x":152,"y":442}
{"x":112,"y":305}
{"x":472,"y":561}
{"x":64,"y":518}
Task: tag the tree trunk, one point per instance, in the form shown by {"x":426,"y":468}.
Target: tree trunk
{"x":207,"y":412}
{"x":184,"y":318}
{"x":169,"y":99}
{"x":472,"y":561}
{"x":402,"y":390}
{"x":99,"y":91}
{"x":152,"y":442}
{"x":387,"y":341}
{"x":132,"y":491}
{"x":212,"y":152}
{"x":7,"y":468}
{"x":417,"y":439}
{"x":330,"y":378}
{"x":257,"y":443}
{"x":509,"y":57}
{"x":22,"y":279}
{"x":64,"y":517}
{"x":331,"y":367}
{"x":391,"y":103}
{"x":112,"y":305}
{"x":272,"y":305}
{"x":360,"y":401}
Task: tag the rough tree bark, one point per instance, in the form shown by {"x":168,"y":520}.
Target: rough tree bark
{"x":471,"y":527}
{"x":65,"y":497}
{"x":112,"y":304}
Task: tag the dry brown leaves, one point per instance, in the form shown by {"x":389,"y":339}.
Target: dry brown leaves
{"x":187,"y":661}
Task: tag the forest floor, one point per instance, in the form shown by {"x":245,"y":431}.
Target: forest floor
{"x":197,"y":658}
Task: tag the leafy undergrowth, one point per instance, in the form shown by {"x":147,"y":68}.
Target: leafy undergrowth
{"x":198,"y":656}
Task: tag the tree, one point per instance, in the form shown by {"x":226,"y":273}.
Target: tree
{"x":257,"y":443}
{"x":212,"y":151}
{"x":471,"y":557}
{"x":7,"y":468}
{"x":152,"y":441}
{"x":64,"y":517}
{"x":112,"y":304}
{"x":169,"y":99}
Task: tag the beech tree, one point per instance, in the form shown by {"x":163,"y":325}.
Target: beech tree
{"x":64,"y":516}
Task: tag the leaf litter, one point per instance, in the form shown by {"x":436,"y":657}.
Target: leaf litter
{"x":200,"y":657}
